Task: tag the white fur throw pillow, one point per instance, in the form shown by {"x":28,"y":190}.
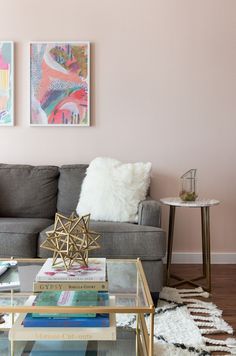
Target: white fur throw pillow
{"x":111,"y":190}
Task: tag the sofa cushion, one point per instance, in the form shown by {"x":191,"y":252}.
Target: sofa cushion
{"x":69,"y":186}
{"x":112,"y":190}
{"x":18,"y":236}
{"x":28,"y":191}
{"x":122,"y":240}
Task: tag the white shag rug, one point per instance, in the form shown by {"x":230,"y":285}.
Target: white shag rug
{"x":182,"y":322}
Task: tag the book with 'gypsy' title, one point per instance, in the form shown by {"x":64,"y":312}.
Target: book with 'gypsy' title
{"x":69,"y":285}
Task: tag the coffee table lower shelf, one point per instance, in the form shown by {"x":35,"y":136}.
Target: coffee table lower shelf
{"x":128,"y":342}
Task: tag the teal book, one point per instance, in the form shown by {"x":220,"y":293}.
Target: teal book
{"x":67,"y":298}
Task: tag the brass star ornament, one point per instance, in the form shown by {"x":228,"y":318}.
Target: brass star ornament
{"x":71,"y":240}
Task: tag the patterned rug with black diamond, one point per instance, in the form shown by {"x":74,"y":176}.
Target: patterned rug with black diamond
{"x":186,"y":324}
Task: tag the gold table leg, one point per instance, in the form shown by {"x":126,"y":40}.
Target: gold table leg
{"x":170,"y":242}
{"x":150,"y":351}
{"x":204,"y":257}
{"x":206,"y":248}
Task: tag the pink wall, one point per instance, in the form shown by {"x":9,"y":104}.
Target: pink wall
{"x":163,"y":90}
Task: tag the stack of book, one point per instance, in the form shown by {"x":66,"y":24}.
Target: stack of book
{"x":69,"y":298}
{"x":79,"y":286}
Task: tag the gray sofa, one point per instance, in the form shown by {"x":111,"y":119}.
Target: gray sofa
{"x":30,"y":196}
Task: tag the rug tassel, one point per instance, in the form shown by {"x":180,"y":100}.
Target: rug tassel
{"x":203,"y":318}
{"x":209,"y":324}
{"x":230,"y":342}
{"x":214,"y":331}
{"x":222,"y":349}
{"x":194,"y":290}
{"x":191,"y":302}
{"x":228,"y":345}
{"x":202,"y":294}
{"x":205,"y":311}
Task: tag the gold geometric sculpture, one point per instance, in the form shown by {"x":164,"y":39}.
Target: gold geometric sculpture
{"x":71,"y":240}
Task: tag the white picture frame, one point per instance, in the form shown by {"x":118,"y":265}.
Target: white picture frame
{"x":59,"y":79}
{"x":6,"y":83}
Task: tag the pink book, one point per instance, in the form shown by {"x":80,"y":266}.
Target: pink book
{"x":95,"y":272}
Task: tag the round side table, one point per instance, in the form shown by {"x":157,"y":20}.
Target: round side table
{"x":205,"y":205}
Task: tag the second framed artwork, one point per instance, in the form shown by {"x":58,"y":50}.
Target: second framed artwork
{"x":60,"y":83}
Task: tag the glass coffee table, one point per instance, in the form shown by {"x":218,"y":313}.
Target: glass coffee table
{"x":128,"y":289}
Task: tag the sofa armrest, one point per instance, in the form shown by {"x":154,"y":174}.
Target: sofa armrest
{"x":149,"y":212}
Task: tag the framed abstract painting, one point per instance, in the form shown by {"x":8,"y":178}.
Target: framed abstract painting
{"x":6,"y":83}
{"x":60,"y":84}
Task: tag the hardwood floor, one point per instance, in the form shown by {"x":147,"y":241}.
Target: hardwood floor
{"x":223,"y":292}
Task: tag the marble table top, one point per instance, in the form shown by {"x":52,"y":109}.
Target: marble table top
{"x":198,"y":203}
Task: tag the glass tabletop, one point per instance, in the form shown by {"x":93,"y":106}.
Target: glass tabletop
{"x":127,"y":287}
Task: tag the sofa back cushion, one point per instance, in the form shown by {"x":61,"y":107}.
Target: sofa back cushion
{"x":69,"y":186}
{"x":28,"y":191}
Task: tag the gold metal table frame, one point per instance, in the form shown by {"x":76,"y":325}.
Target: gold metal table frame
{"x":144,"y":334}
{"x":204,"y":205}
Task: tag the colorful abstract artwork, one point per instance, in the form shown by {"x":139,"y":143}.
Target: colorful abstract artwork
{"x":6,"y":83}
{"x":59,"y":84}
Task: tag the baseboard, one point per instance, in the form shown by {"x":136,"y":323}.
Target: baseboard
{"x":196,"y":257}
